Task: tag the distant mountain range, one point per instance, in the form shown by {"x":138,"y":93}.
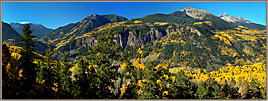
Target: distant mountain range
{"x":189,"y":15}
{"x":199,"y":24}
{"x":230,"y":18}
{"x":196,"y":26}
{"x":239,"y":21}
{"x":13,"y":38}
{"x":38,"y":29}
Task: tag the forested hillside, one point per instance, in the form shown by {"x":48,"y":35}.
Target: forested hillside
{"x":187,"y":54}
{"x":11,"y":37}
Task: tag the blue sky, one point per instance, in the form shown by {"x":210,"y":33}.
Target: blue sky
{"x":56,"y":14}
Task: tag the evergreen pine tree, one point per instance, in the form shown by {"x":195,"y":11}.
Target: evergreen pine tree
{"x":26,"y":61}
{"x":5,"y":59}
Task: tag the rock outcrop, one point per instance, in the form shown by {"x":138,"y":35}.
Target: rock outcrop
{"x":133,"y":38}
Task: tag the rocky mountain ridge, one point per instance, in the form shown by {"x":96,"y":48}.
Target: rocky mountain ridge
{"x":196,"y":13}
{"x":230,"y":18}
{"x":81,"y":27}
{"x":239,"y":21}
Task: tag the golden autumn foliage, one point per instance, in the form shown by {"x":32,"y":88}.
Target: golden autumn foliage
{"x":165,"y":93}
{"x":55,"y":87}
{"x":123,"y":66}
{"x":241,"y":74}
{"x":89,"y":67}
{"x":138,"y":63}
{"x":15,"y":52}
{"x":243,"y":27}
{"x":161,"y":23}
{"x":16,"y":56}
{"x":228,"y":51}
{"x":161,"y":66}
{"x":246,"y":51}
{"x":122,"y":89}
{"x":20,"y":73}
{"x":165,"y":77}
{"x":223,"y":38}
{"x":245,"y":34}
{"x":137,"y":21}
{"x":206,"y":22}
{"x":87,"y":35}
{"x":198,"y":23}
{"x":139,"y":51}
{"x":11,"y":39}
{"x":177,"y":41}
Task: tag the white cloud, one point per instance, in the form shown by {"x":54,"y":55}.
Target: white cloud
{"x":24,"y":22}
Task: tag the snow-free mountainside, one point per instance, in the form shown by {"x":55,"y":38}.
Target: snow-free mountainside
{"x":187,"y":54}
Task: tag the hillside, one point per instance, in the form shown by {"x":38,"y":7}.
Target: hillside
{"x":180,"y":44}
{"x":201,"y":40}
{"x":251,"y":25}
{"x":9,"y":34}
{"x":70,"y":31}
{"x":187,"y":54}
{"x":183,"y":17}
{"x":11,"y":37}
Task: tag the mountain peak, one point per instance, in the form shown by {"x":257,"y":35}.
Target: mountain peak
{"x":24,"y":22}
{"x":196,"y":13}
{"x":189,"y":7}
{"x":223,"y":14}
{"x":94,"y":14}
{"x":230,"y":18}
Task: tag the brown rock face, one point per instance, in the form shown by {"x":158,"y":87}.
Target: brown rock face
{"x":195,"y":13}
{"x":135,"y":38}
{"x":85,"y":42}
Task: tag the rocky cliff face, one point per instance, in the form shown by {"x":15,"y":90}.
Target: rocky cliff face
{"x":132,"y":38}
{"x":170,"y":29}
{"x":85,"y":42}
